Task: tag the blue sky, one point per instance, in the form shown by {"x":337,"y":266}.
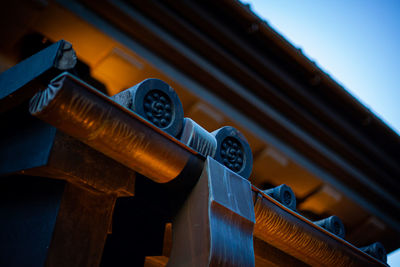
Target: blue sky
{"x":355,"y":41}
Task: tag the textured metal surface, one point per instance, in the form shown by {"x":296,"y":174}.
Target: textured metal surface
{"x":300,"y":238}
{"x":93,"y":118}
{"x":198,"y":138}
{"x":267,"y":255}
{"x":215,"y":225}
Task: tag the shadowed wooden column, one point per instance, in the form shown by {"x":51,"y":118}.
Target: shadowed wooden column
{"x":215,"y":225}
{"x":81,"y":228}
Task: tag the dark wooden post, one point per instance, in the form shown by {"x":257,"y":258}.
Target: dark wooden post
{"x":63,"y":223}
{"x":81,"y":227}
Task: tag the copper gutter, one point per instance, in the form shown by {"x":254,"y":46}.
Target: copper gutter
{"x":299,"y":237}
{"x":81,"y":111}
